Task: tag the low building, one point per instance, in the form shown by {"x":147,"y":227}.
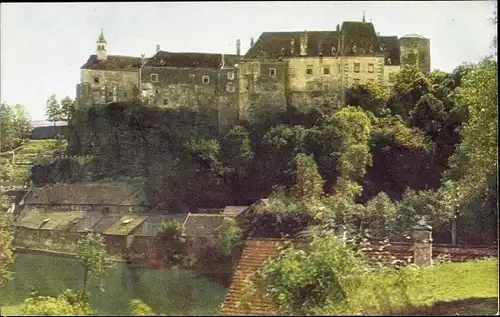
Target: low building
{"x":201,"y":232}
{"x":40,"y":229}
{"x":119,"y":236}
{"x":104,"y":197}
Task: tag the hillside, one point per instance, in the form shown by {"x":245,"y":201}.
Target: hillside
{"x":19,"y":161}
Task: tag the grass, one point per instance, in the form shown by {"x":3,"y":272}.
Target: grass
{"x":469,"y":288}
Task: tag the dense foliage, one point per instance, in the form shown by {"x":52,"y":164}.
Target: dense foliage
{"x":15,"y":126}
{"x":91,"y":251}
{"x":69,"y":303}
{"x":388,"y":140}
{"x":6,"y":237}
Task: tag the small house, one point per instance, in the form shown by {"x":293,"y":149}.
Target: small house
{"x":118,"y":236}
{"x":201,"y":232}
{"x":105,"y":197}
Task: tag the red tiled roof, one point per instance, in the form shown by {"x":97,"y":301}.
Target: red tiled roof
{"x":255,"y":253}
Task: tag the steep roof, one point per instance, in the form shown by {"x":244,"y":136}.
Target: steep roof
{"x":233,"y":211}
{"x":124,"y":194}
{"x":88,"y":222}
{"x":125,"y":225}
{"x":154,"y":224}
{"x":188,"y":60}
{"x":272,"y":43}
{"x":106,"y":222}
{"x":113,"y":62}
{"x":390,"y":45}
{"x":202,"y":225}
{"x":48,"y":220}
{"x":255,"y":253}
{"x":363,"y":36}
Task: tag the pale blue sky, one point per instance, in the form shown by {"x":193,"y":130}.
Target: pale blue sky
{"x":44,"y":45}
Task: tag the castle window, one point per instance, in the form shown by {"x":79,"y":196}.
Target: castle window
{"x":230,"y":87}
{"x":154,"y":78}
{"x":272,"y":72}
{"x":357,"y":67}
{"x":326,"y":86}
{"x":326,"y":70}
{"x":388,"y":61}
{"x":205,"y":79}
{"x":371,"y":68}
{"x":165,"y":102}
{"x":354,"y":49}
{"x":309,"y":70}
{"x":334,"y":51}
{"x":157,"y":91}
{"x":230,"y":75}
{"x":96,"y":80}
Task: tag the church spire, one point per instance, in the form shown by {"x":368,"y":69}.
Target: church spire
{"x":102,"y":47}
{"x":101,"y":37}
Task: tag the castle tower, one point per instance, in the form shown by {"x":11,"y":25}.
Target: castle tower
{"x":415,"y":50}
{"x":102,"y":47}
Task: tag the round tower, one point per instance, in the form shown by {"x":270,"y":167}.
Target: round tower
{"x":101,"y":48}
{"x":416,"y":50}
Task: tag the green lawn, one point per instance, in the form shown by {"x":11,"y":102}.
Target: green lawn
{"x":469,"y":288}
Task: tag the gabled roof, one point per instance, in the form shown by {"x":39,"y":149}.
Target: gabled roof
{"x":88,"y":222}
{"x":363,"y":36}
{"x":125,"y":225}
{"x":113,"y":62}
{"x":154,"y":224}
{"x":106,"y":222}
{"x":188,"y":60}
{"x":390,"y":45}
{"x":233,"y":211}
{"x":202,"y":225}
{"x":271,"y":44}
{"x":255,"y":253}
{"x":124,"y":194}
{"x":49,"y":220}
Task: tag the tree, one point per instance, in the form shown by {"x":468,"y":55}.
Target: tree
{"x":15,"y":126}
{"x":300,"y":282}
{"x":428,"y":115}
{"x":369,"y":97}
{"x":91,"y":251}
{"x":237,"y":148}
{"x":308,"y":183}
{"x":139,"y":308}
{"x":480,"y":132}
{"x":6,"y":237}
{"x":410,"y":84}
{"x":53,"y":110}
{"x":66,"y":304}
{"x":67,"y":109}
{"x":229,"y":236}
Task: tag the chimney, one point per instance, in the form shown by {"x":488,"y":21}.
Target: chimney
{"x":338,"y":27}
{"x":157,"y":47}
{"x":238,"y":47}
{"x":303,"y":44}
{"x":251,"y":41}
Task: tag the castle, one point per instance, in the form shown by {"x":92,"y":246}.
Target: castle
{"x":300,"y":69}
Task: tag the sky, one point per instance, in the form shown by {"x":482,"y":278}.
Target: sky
{"x":43,"y":45}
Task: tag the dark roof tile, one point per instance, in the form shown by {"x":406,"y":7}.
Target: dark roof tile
{"x":363,"y":36}
{"x":202,"y":225}
{"x":390,"y":45}
{"x":271,"y":44}
{"x":188,"y":60}
{"x":113,"y":62}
